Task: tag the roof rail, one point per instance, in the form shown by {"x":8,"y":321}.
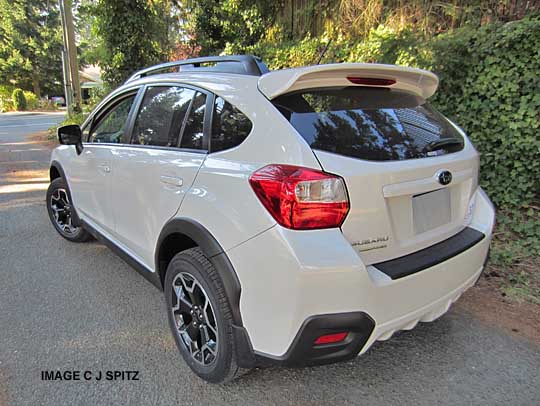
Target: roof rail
{"x":242,"y":64}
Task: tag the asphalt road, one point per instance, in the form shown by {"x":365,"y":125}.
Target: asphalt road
{"x":66,"y":306}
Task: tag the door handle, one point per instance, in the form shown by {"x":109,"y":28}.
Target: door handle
{"x":104,"y":168}
{"x":171,"y":180}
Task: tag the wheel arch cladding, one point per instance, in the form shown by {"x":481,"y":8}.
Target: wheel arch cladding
{"x":180,"y":234}
{"x":56,"y":171}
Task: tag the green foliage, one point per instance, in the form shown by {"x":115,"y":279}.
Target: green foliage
{"x":517,"y":237}
{"x":77,"y":118}
{"x":19,"y":101}
{"x":30,"y":46}
{"x":490,"y":86}
{"x":285,"y":55}
{"x":387,"y":45}
{"x":129,"y":31}
{"x":32,"y":101}
{"x":383,"y":45}
{"x":96,"y":95}
{"x":515,"y":253}
{"x":213,"y":24}
{"x":5,"y":98}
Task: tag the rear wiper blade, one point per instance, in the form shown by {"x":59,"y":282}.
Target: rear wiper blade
{"x":443,"y":142}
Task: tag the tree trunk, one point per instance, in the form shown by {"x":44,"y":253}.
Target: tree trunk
{"x":35,"y":83}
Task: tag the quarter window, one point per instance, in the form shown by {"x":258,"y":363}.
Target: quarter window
{"x":229,"y":127}
{"x":193,"y":134}
{"x":161,"y":116}
{"x":111,"y":127}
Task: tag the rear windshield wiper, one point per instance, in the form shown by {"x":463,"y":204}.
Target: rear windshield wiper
{"x":443,"y":142}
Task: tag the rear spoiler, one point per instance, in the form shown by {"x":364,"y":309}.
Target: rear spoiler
{"x":420,"y":82}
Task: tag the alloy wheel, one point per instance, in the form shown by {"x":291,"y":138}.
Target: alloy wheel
{"x":194,"y":318}
{"x":61,"y":210}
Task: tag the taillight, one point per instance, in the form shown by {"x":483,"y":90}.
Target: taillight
{"x":301,"y":198}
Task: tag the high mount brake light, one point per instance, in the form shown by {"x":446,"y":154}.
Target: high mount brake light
{"x":370,"y":81}
{"x":301,"y":198}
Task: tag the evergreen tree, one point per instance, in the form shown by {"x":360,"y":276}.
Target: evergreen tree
{"x":30,"y":45}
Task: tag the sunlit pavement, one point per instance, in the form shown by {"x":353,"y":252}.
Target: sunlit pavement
{"x":23,"y":159}
{"x":66,"y":306}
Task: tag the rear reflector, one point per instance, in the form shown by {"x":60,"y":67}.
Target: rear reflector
{"x":371,"y":81}
{"x":301,"y":198}
{"x":330,"y":338}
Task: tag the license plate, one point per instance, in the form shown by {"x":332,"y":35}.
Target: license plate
{"x":431,"y":210}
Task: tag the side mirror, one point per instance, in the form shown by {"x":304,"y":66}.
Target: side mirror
{"x":71,"y":135}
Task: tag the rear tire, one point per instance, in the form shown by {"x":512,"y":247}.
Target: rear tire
{"x":200,"y":317}
{"x":60,"y":211}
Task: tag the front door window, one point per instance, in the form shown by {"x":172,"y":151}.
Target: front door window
{"x":111,"y":127}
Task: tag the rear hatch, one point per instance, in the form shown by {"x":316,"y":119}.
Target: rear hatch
{"x":410,"y":173}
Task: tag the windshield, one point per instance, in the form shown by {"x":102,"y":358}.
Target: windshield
{"x":378,"y":124}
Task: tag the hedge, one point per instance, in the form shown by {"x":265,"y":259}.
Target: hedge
{"x":490,"y":85}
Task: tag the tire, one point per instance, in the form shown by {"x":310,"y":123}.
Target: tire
{"x":215,"y":362}
{"x":60,"y":212}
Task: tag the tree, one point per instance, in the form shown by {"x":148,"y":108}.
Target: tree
{"x":212,"y":24}
{"x":131,"y":32}
{"x":30,"y":45}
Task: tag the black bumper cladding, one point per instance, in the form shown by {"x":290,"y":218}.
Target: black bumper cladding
{"x":303,"y":351}
{"x":428,"y":257}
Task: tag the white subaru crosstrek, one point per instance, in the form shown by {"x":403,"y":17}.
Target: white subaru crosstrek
{"x":291,"y":217}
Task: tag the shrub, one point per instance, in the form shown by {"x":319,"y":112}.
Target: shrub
{"x":5,"y":104}
{"x":19,"y":101}
{"x":5,"y":98}
{"x":32,"y":101}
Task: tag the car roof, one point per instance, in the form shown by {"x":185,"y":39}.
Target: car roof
{"x":218,"y":83}
{"x":239,"y":89}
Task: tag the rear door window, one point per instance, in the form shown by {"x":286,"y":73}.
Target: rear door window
{"x":161,"y":116}
{"x":193,"y":134}
{"x":369,"y":123}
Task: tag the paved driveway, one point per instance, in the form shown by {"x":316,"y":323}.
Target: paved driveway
{"x":67,"y":306}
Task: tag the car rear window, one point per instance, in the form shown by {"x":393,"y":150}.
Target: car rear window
{"x":369,"y":123}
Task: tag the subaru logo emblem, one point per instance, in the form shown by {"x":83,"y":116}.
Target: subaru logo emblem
{"x":445,"y":177}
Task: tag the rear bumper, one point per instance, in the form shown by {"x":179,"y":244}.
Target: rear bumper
{"x":289,"y":278}
{"x":429,"y":312}
{"x":303,"y":352}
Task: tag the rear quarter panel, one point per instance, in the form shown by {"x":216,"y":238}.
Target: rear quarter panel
{"x":221,"y":199}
